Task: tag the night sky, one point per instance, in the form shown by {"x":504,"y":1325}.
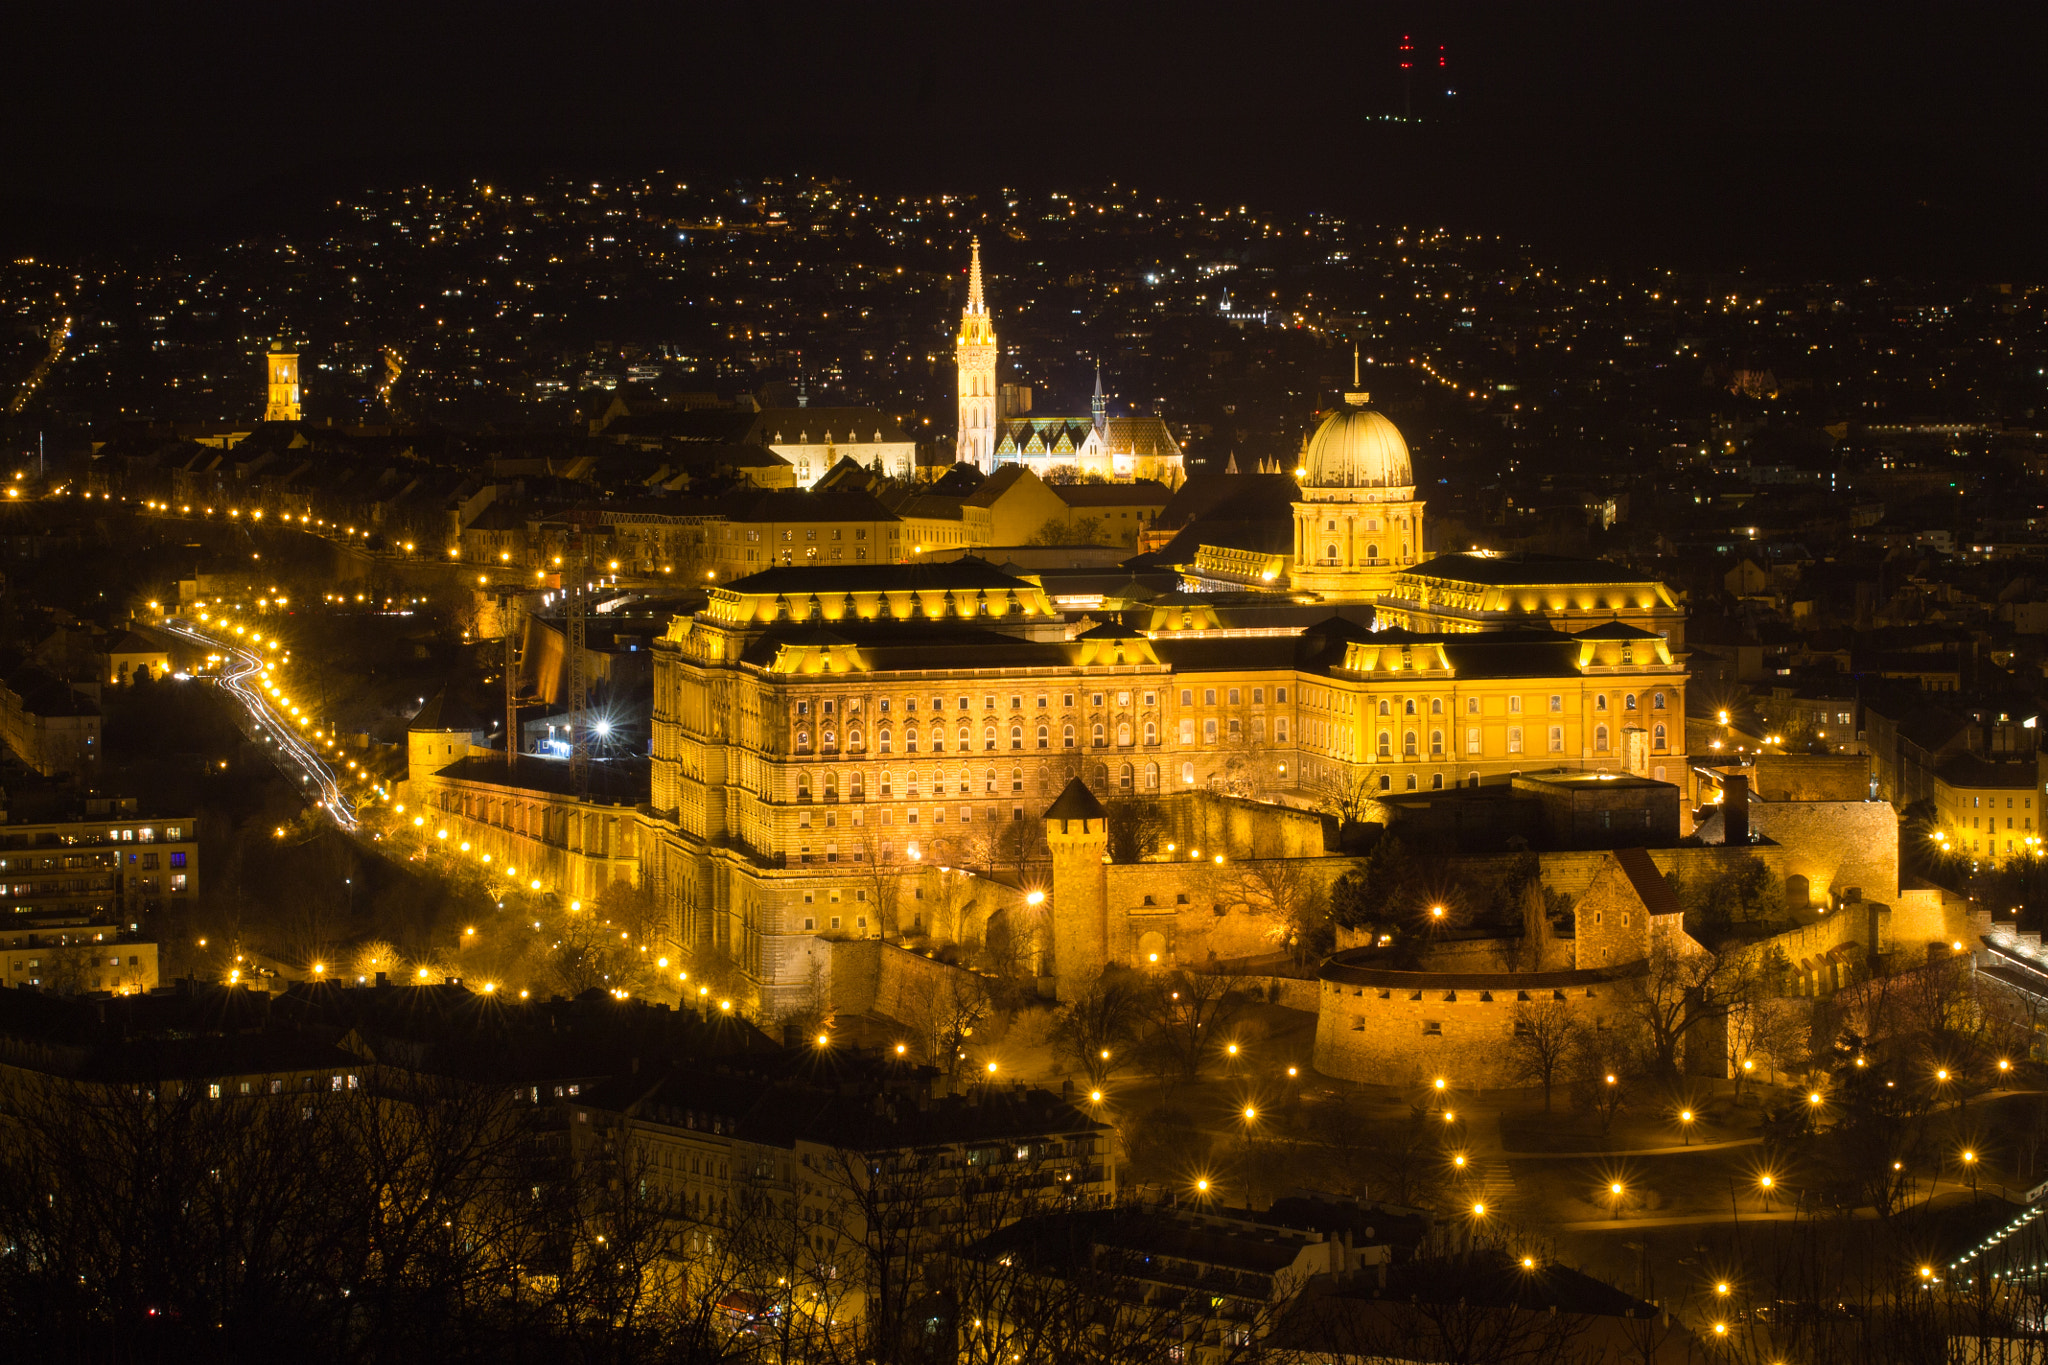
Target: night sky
{"x":1820,"y":138}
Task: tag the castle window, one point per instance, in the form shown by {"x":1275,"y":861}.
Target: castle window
{"x":909,"y":741}
{"x":885,"y":738}
{"x":1411,"y":782}
{"x":1187,"y":732}
{"x":1123,"y":736}
{"x":1600,"y":739}
{"x":1386,"y":749}
{"x":1472,"y":740}
{"x":1521,"y":995}
{"x":853,"y":741}
{"x":1209,"y":731}
{"x":1436,"y":706}
{"x":1187,"y":774}
{"x":1279,"y":694}
{"x":1436,"y":744}
{"x":1628,"y":703}
{"x":1383,"y":707}
{"x":988,"y":737}
{"x":1386,"y":783}
{"x":1436,"y":782}
{"x":1408,"y":745}
{"x":989,"y":782}
{"x":1016,"y":737}
{"x":803,"y":741}
{"x":1408,"y":707}
{"x":1016,"y":779}
{"x":1151,"y":777}
{"x":1432,"y":1028}
{"x":1557,"y":995}
{"x":1657,"y":703}
{"x":1657,"y":739}
{"x":1099,"y":735}
{"x":1556,"y":704}
{"x":1372,"y":553}
{"x":1151,"y":732}
{"x":1280,"y":728}
{"x":1208,"y":696}
{"x":1514,"y":706}
{"x":1067,"y":736}
{"x":1557,"y":739}
{"x":1124,"y":777}
{"x":1600,"y":702}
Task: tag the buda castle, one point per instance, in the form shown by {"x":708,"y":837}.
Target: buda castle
{"x":851,"y":752}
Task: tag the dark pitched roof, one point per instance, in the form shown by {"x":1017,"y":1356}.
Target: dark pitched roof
{"x":1514,"y":570}
{"x":1656,"y":893}
{"x":1243,"y":496}
{"x":443,"y":713}
{"x":613,"y":781}
{"x":1137,"y":493}
{"x":965,"y":573}
{"x":1617,"y":630}
{"x":1076,"y":803}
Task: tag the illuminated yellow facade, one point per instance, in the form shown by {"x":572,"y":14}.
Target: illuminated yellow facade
{"x":283,"y":369}
{"x":1358,"y":522}
{"x":1482,"y":591}
{"x":826,"y":734}
{"x":974,"y":354}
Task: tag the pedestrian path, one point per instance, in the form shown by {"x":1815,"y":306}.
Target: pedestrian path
{"x":1674,"y":1150}
{"x":1491,"y":1182}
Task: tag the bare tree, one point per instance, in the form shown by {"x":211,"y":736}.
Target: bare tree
{"x":1290,"y":894}
{"x":1096,"y":1031}
{"x":1544,"y":1038}
{"x":1187,"y":1015}
{"x":941,"y":1011}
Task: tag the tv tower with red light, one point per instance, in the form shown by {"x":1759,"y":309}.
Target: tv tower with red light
{"x":1412,"y":58}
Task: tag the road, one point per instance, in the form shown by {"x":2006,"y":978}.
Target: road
{"x":241,"y":673}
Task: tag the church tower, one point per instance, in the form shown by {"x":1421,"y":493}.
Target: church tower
{"x":284,"y":385}
{"x":974,"y":352}
{"x":1098,"y":407}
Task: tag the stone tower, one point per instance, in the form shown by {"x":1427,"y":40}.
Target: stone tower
{"x":974,"y":353}
{"x":284,"y":384}
{"x":1077,"y":831}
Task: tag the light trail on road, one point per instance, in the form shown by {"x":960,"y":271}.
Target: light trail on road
{"x":241,"y":674}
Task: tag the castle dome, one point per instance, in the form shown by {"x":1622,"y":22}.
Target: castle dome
{"x":1357,"y":447}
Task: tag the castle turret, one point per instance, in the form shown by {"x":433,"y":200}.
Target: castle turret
{"x":1077,"y":831}
{"x":439,"y":734}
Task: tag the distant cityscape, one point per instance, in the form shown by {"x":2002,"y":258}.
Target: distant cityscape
{"x":756,"y":771}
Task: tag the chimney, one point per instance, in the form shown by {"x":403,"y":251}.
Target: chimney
{"x":1735,"y":809}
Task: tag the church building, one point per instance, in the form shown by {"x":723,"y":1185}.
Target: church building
{"x":996,"y":427}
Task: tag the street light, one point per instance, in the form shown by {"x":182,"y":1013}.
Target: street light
{"x":1685,"y":1119}
{"x":1614,"y":1189}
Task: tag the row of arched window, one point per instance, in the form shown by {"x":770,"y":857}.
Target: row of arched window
{"x":1411,"y":741}
{"x":828,"y":785}
{"x":992,"y":738}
